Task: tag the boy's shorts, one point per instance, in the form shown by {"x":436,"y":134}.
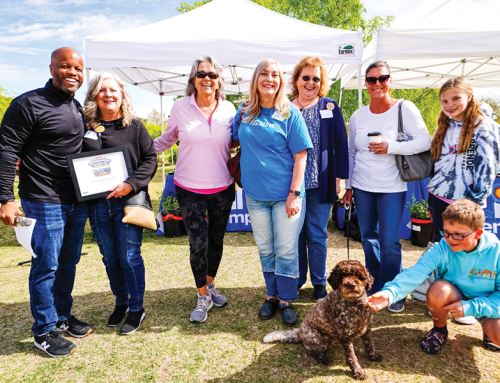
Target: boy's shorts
{"x":464,"y":298}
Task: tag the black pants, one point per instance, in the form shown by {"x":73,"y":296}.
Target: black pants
{"x":437,"y":206}
{"x":206,"y":239}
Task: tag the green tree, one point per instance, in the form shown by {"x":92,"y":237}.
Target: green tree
{"x":492,"y":100}
{"x":5,"y":100}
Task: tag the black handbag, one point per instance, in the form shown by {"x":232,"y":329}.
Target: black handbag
{"x":138,"y":210}
{"x":412,"y":167}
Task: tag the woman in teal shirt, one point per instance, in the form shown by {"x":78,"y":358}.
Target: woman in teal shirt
{"x":274,"y":141}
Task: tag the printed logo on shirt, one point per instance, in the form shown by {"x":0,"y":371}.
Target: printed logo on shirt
{"x":264,"y":124}
{"x":487,"y":274}
{"x":453,"y":149}
{"x":468,"y":161}
{"x":346,"y":50}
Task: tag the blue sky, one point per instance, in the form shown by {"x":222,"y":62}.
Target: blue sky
{"x":31,"y":29}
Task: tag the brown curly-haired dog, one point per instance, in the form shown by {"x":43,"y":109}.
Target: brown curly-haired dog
{"x":342,"y":314}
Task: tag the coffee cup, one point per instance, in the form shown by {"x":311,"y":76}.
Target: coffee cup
{"x":374,"y":137}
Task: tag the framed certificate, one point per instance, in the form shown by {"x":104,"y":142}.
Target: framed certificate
{"x":95,"y":173}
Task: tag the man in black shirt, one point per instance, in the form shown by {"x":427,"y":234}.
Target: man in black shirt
{"x":41,"y":127}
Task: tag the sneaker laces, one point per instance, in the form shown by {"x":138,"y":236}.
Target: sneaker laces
{"x":202,"y":304}
{"x":55,"y":338}
{"x":212,"y":290}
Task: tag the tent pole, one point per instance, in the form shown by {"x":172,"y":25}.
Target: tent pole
{"x":340,"y":96}
{"x":360,"y":98}
{"x":161,"y":123}
{"x":87,"y":74}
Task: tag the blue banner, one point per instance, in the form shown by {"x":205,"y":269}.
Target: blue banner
{"x":239,"y":220}
{"x":492,"y":210}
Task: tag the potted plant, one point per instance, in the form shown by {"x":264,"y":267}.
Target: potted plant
{"x":421,"y":222}
{"x":173,"y":225}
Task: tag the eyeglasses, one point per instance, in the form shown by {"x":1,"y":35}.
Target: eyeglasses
{"x":382,"y":79}
{"x":307,"y":78}
{"x":456,"y":236}
{"x":211,"y":75}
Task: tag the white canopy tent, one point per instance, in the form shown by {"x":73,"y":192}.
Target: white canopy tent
{"x":238,"y":33}
{"x":457,"y":38}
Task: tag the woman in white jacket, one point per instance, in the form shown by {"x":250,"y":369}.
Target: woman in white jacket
{"x":373,"y":176}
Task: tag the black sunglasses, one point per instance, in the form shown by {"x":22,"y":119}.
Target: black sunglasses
{"x":382,"y":79}
{"x":456,"y":236}
{"x":307,"y":78}
{"x":211,"y":75}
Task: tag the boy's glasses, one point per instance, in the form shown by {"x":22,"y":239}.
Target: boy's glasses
{"x":307,"y":78}
{"x":456,"y":236}
{"x":382,"y":79}
{"x":211,"y":75}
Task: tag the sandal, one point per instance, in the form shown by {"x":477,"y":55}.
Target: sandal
{"x":433,"y":342}
{"x":488,"y":344}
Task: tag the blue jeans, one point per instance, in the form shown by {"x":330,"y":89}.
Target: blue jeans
{"x":120,"y":245}
{"x":379,"y":217}
{"x":277,"y":238}
{"x":313,"y":239}
{"x":57,"y":242}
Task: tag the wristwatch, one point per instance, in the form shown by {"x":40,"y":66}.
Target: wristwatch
{"x":296,"y":192}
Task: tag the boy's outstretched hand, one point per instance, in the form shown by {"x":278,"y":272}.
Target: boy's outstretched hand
{"x":378,"y":301}
{"x":455,"y":309}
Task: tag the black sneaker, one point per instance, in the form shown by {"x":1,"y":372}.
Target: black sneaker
{"x":74,"y":327}
{"x":118,"y":315}
{"x":133,"y":322}
{"x":54,"y":344}
{"x":319,"y":292}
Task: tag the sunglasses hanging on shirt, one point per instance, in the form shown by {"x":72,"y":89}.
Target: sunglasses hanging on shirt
{"x":382,"y":79}
{"x":307,"y":78}
{"x":211,"y":75}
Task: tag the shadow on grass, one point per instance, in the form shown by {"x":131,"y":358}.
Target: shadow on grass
{"x":169,"y":310}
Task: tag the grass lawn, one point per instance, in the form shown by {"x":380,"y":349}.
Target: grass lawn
{"x":228,"y":347}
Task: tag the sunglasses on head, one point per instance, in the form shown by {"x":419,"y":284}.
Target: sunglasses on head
{"x":382,"y":79}
{"x":211,"y":75}
{"x":456,"y":236}
{"x":307,"y":78}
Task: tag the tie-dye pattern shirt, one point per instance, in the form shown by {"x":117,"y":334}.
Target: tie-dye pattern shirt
{"x":470,"y":174}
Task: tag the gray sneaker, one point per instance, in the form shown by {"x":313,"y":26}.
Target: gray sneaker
{"x":218,"y":299}
{"x":200,"y":313}
{"x":397,"y":307}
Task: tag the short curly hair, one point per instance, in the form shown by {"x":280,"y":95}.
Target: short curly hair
{"x":312,"y":62}
{"x":465,"y":212}
{"x":190,"y":88}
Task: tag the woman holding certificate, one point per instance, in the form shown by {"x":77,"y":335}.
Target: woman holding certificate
{"x":202,"y":121}
{"x":110,"y":124}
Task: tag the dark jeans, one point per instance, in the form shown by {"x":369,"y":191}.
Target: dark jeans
{"x":120,"y":245}
{"x":437,"y":206}
{"x":57,"y":242}
{"x":206,"y":239}
{"x":313,"y":239}
{"x":379,"y":217}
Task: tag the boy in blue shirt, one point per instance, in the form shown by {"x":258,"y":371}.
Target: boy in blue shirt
{"x":467,"y":260}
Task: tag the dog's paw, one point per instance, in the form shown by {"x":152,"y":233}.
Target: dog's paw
{"x":360,"y":374}
{"x":376,"y":357}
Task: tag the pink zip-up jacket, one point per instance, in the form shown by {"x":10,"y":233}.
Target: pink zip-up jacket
{"x":204,"y":148}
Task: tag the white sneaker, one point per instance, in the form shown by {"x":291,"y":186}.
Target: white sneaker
{"x":200,"y":313}
{"x":466,"y":320}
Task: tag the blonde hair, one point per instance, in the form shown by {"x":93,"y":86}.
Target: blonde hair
{"x":466,"y":212}
{"x":252,"y":107}
{"x":473,"y":116}
{"x":310,"y":62}
{"x":92,"y":114}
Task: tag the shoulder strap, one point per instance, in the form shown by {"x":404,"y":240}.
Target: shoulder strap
{"x":400,"y":119}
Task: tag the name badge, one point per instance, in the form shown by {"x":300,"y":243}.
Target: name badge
{"x":91,"y":134}
{"x":326,"y":113}
{"x":278,"y":116}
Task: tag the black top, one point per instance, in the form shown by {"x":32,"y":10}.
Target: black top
{"x":41,"y":127}
{"x":140,"y":148}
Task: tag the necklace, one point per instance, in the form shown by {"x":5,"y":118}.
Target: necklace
{"x":303,"y":107}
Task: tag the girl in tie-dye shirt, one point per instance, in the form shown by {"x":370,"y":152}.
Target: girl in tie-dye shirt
{"x":465,"y":150}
